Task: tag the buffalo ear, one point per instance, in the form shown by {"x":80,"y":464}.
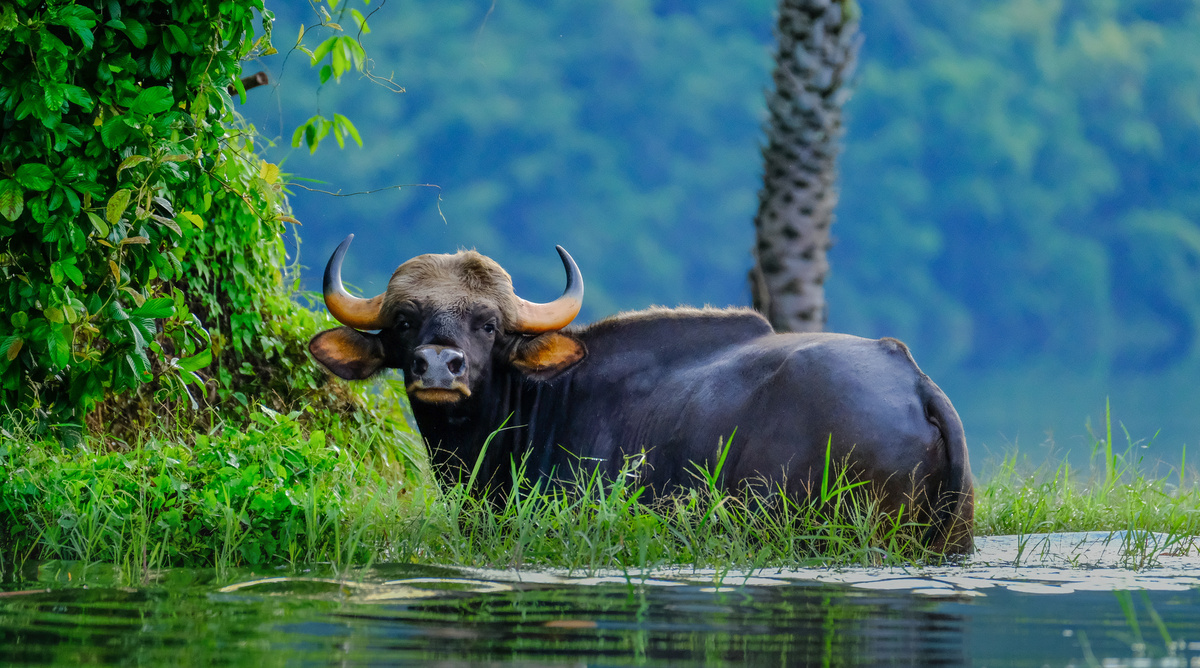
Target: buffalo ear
{"x":545,"y":356}
{"x":348,"y":352}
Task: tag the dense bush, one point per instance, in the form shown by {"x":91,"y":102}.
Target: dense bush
{"x":271,"y":492}
{"x":141,"y":237}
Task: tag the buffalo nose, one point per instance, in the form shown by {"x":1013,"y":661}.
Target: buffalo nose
{"x":439,"y":366}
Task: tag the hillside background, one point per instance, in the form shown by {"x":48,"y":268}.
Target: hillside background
{"x":1020,"y":181}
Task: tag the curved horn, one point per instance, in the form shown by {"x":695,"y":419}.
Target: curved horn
{"x":536,"y":318}
{"x":349,"y":310}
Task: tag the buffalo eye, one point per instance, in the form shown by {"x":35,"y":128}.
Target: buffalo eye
{"x":490,"y":327}
{"x":403,"y":325}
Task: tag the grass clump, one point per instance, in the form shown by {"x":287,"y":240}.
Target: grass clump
{"x":296,"y":489}
{"x":1115,"y":493}
{"x":1018,"y":498}
{"x":282,"y":489}
{"x":281,"y":492}
{"x":589,"y":524}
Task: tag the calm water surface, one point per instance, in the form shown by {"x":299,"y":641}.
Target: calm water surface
{"x":403,"y":615}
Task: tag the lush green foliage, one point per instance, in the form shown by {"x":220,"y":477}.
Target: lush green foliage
{"x":272,"y":493}
{"x":141,"y":237}
{"x":280,"y":493}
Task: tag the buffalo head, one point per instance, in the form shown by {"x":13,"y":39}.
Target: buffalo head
{"x":446,"y":320}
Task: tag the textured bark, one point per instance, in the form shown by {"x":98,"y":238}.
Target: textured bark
{"x":818,"y":44}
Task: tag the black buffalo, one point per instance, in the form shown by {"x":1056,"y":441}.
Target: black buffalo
{"x":672,"y":385}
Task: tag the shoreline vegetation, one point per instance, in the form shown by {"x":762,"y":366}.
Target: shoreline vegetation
{"x":288,"y":491}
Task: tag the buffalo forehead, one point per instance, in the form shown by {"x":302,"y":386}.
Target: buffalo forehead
{"x":455,"y":281}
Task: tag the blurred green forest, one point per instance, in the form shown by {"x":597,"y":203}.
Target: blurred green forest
{"x":1020,"y":180}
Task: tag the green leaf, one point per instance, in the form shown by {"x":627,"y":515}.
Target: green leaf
{"x":114,"y":132}
{"x":197,"y":361}
{"x":12,"y":199}
{"x":153,"y":100}
{"x":355,"y":50}
{"x":165,"y":204}
{"x":35,"y":176}
{"x":241,"y":90}
{"x":160,"y":63}
{"x":117,"y":205}
{"x":136,"y":32}
{"x":178,"y":38}
{"x":192,"y":218}
{"x":10,"y":347}
{"x":147,"y":328}
{"x":297,"y":136}
{"x":348,"y":128}
{"x":79,"y":96}
{"x":8,"y":18}
{"x":140,"y":362}
{"x":362,"y":22}
{"x":159,"y":307}
{"x":168,"y":223}
{"x":341,"y":64}
{"x":73,"y":273}
{"x":116,"y":312}
{"x":323,"y":50}
{"x":99,"y":224}
{"x":130,"y":162}
{"x":60,"y":346}
{"x":79,"y":27}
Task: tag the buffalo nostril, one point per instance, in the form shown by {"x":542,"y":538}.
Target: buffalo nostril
{"x":455,"y":365}
{"x":439,"y":366}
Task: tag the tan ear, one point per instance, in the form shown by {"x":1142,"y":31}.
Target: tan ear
{"x":544,"y":356}
{"x":348,"y":352}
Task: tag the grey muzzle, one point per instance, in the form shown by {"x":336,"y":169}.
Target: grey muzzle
{"x":439,"y":367}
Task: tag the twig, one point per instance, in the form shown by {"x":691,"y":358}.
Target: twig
{"x":368,"y":192}
{"x":252,"y":81}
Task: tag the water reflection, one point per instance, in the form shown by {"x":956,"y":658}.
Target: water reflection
{"x":397,"y":615}
{"x":621,"y":625}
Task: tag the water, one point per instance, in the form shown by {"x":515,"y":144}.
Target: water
{"x":983,"y":614}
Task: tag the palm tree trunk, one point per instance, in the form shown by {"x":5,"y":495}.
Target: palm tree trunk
{"x":818,"y":45}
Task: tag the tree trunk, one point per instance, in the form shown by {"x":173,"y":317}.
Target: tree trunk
{"x":818,"y":44}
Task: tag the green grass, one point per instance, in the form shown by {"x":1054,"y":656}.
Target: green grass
{"x":285,"y":493}
{"x":278,"y":491}
{"x":1115,"y":493}
{"x":594,"y":525}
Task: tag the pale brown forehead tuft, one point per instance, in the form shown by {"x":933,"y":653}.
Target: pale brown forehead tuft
{"x":453,"y":280}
